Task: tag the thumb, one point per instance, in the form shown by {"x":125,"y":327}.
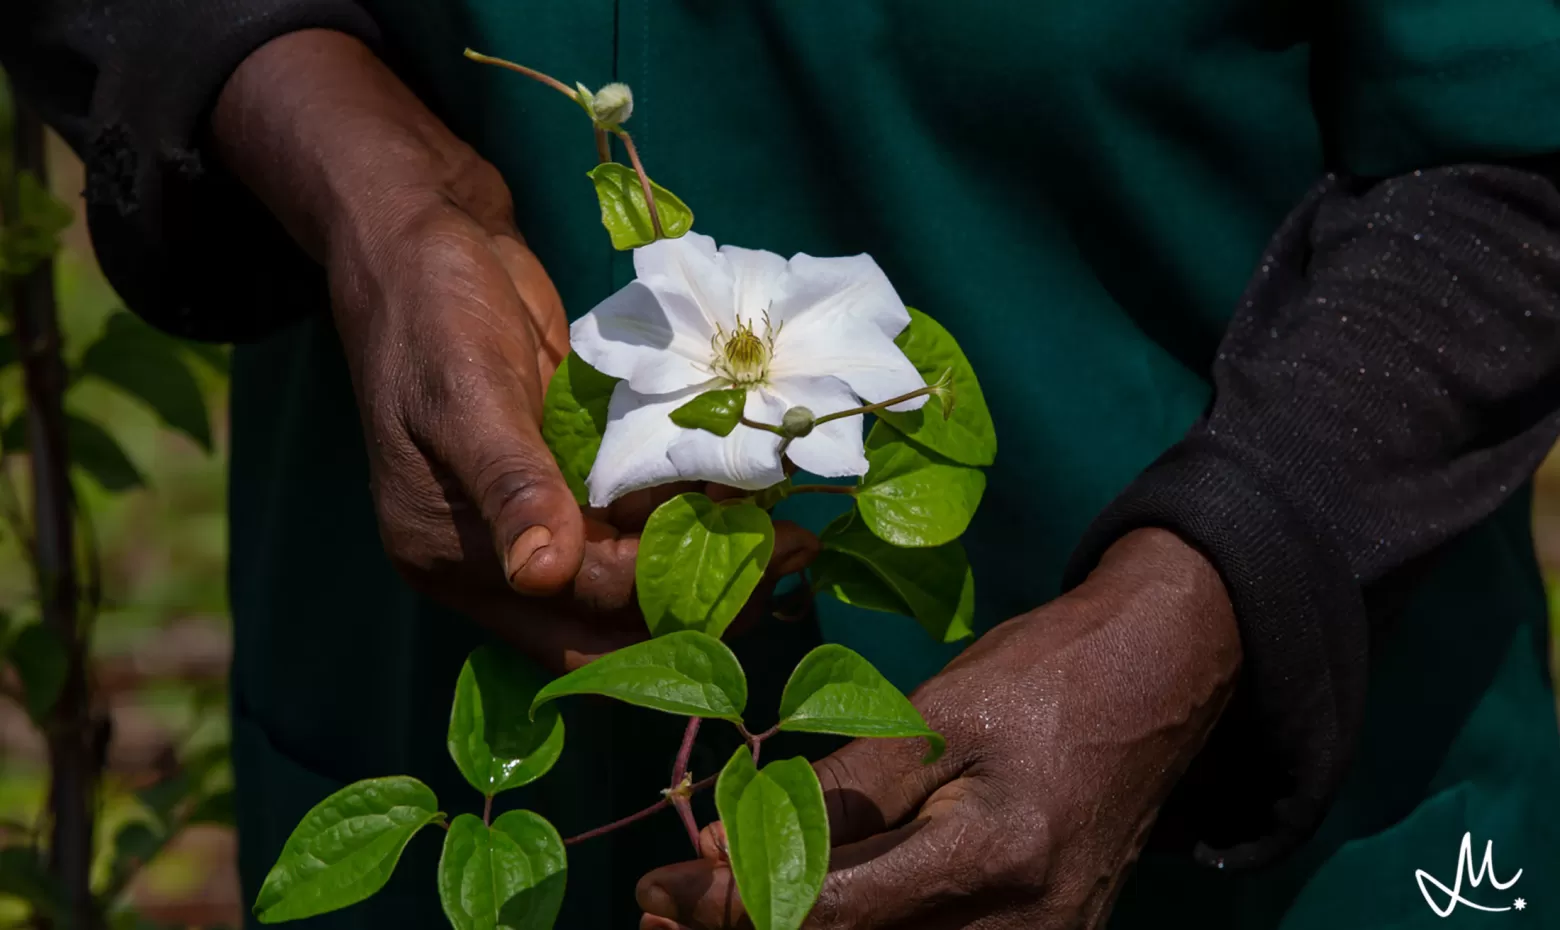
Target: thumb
{"x":536,"y":526}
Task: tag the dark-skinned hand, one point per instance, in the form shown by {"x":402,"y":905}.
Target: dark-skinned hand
{"x":1066,"y":728}
{"x":451,"y":330}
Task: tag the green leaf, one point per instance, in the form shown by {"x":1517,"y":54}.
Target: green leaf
{"x":717,"y":412}
{"x":967,"y":435}
{"x":25,"y":875}
{"x":777,"y":834}
{"x":687,"y":672}
{"x":216,"y":357}
{"x":92,"y":450}
{"x":851,"y":582}
{"x":150,"y":366}
{"x":834,"y":690}
{"x":511,"y":875}
{"x":41,"y":660}
{"x":574,"y":417}
{"x":935,"y":586}
{"x":98,"y":454}
{"x":699,"y":561}
{"x":912,"y":496}
{"x":492,"y":738}
{"x":32,"y":236}
{"x":623,"y":207}
{"x":345,"y":848}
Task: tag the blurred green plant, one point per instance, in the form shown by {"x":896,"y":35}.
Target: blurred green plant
{"x":70,"y":866}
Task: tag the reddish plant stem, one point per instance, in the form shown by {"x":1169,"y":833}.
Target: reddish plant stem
{"x":644,"y":181}
{"x":531,"y":73}
{"x":693,"y":789}
{"x":487,"y":810}
{"x":603,"y":146}
{"x":680,"y":772}
{"x":680,"y":766}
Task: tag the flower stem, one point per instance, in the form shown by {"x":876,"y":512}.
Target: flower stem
{"x":766,"y":427}
{"x":874,"y":408}
{"x":603,"y":146}
{"x":824,"y":489}
{"x":644,"y":180}
{"x":531,"y":73}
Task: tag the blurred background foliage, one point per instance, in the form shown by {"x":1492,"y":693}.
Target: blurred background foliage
{"x":162,"y":640}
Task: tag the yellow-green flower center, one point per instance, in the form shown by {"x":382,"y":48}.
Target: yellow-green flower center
{"x":742,"y":355}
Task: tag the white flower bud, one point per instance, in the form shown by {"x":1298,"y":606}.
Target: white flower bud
{"x":797,"y":422}
{"x":612,"y":104}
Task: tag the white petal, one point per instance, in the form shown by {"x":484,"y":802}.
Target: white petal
{"x":857,"y":353}
{"x":759,"y":278}
{"x":835,"y":290}
{"x":833,"y":450}
{"x":657,"y":345}
{"x":688,"y":273}
{"x":633,"y":449}
{"x":748,"y":458}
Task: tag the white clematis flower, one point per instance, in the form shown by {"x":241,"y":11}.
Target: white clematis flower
{"x":808,"y":332}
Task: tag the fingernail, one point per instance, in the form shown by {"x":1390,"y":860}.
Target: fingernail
{"x":524,"y":549}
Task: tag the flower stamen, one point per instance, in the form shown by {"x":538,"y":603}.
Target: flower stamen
{"x":742,"y":356}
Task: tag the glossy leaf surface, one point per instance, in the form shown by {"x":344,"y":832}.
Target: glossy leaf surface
{"x":686,"y":672}
{"x":699,"y":561}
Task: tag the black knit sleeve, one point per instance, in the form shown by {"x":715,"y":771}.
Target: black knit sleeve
{"x":129,"y":84}
{"x":1391,"y":376}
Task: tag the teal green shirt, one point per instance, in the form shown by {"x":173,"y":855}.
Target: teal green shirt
{"x":1079,"y":191}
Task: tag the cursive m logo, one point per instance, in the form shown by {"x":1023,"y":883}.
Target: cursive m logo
{"x":1465,"y":868}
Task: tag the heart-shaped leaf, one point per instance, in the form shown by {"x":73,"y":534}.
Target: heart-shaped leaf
{"x":574,"y":418}
{"x":912,"y":496}
{"x":623,"y":210}
{"x":966,"y":435}
{"x":717,"y":412}
{"x":834,"y":690}
{"x":687,"y":673}
{"x":777,"y":834}
{"x":511,"y":875}
{"x":345,"y":848}
{"x":699,"y":561}
{"x":935,"y":586}
{"x":150,"y":366}
{"x":492,"y":737}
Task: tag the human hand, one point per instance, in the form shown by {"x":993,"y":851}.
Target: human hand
{"x":451,"y":330}
{"x":1066,"y":727}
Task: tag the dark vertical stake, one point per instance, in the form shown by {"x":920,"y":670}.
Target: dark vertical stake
{"x":73,"y":765}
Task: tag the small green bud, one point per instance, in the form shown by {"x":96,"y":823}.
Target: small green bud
{"x":585,"y":98}
{"x":797,"y":422}
{"x":612,"y":104}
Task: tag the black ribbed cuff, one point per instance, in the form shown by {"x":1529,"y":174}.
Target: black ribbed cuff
{"x":1281,"y":748}
{"x":173,"y":231}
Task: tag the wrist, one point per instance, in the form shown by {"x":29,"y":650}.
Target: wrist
{"x":332,"y":142}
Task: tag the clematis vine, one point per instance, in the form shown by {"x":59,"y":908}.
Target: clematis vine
{"x":814,"y":333}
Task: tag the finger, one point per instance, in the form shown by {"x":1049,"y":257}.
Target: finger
{"x":496,"y":454}
{"x":795,"y":548}
{"x":872,"y":785}
{"x":932,"y":867}
{"x":629,"y":512}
